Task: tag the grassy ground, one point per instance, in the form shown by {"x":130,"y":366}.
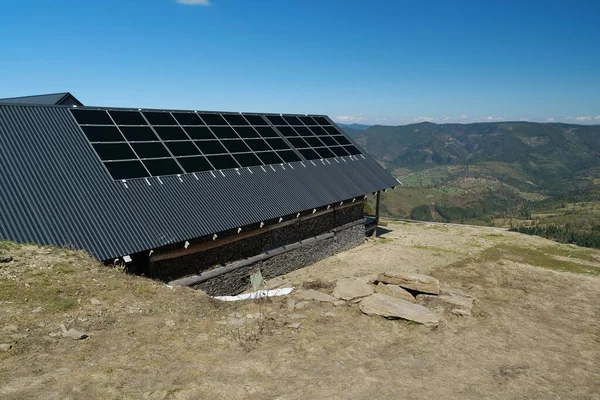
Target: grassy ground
{"x":535,"y":331}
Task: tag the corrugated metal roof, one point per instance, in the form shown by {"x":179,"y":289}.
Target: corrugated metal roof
{"x":44,"y":99}
{"x":54,"y":190}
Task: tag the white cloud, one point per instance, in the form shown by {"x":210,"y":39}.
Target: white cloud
{"x":597,"y":117}
{"x":524,"y":119}
{"x":460,"y":119}
{"x":586,"y":118}
{"x":491,"y":118}
{"x":425,"y":119}
{"x":350,"y":118}
{"x":194,"y":2}
{"x":550,"y":119}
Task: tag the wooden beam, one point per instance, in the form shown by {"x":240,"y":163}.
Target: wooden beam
{"x":376,"y":223}
{"x":377,"y":207}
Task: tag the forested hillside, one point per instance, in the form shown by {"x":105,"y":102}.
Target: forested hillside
{"x":513,"y":174}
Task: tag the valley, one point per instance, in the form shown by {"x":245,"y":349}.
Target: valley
{"x":535,"y":177}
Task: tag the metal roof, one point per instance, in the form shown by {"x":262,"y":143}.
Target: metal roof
{"x":64,"y":98}
{"x":54,"y":190}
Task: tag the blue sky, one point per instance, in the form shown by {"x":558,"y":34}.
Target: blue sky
{"x":385,"y":62}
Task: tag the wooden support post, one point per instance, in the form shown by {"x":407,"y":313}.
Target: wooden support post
{"x":377,"y":212}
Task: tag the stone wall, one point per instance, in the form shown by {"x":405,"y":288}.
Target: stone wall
{"x":238,"y":280}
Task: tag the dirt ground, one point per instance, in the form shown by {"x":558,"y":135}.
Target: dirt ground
{"x":534,"y":333}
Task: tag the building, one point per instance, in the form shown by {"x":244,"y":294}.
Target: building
{"x":54,"y":99}
{"x":210,"y":196}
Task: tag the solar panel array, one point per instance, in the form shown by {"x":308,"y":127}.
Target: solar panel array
{"x":139,"y":144}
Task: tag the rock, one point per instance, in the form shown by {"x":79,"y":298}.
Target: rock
{"x":170,"y":323}
{"x":392,"y":307}
{"x":291,"y":304}
{"x":5,"y":259}
{"x":394,"y":291}
{"x":458,"y":295}
{"x":95,"y":301}
{"x":417,"y":282}
{"x":294,"y":325}
{"x":327,"y":314}
{"x":236,"y":321}
{"x":312,"y":294}
{"x":449,"y":300}
{"x":11,"y":328}
{"x":254,"y":316}
{"x":301,"y":305}
{"x":367,"y":278}
{"x":72,"y":333}
{"x":37,"y":310}
{"x":5,"y":347}
{"x":352,"y":288}
{"x":19,"y":336}
{"x":339,"y":303}
{"x":296,"y":316}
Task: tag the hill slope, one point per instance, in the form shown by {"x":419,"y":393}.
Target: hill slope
{"x":546,"y":152}
{"x":533,"y":333}
{"x":485,"y":171}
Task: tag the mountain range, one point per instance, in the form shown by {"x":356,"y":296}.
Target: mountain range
{"x":549,"y":153}
{"x":354,"y":127}
{"x":488,"y":169}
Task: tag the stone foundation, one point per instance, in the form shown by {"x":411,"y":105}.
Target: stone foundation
{"x":238,"y":280}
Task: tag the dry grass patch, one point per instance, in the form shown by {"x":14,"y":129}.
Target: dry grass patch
{"x":317,"y":284}
{"x":534,"y":333}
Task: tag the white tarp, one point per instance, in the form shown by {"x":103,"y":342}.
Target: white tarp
{"x":256,"y":295}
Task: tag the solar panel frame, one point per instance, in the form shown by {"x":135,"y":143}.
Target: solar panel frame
{"x":199,"y":132}
{"x":188,"y":119}
{"x":103,"y":133}
{"x":138,"y":133}
{"x":194,"y":141}
{"x":125,"y":169}
{"x":159,"y":118}
{"x":127,"y":117}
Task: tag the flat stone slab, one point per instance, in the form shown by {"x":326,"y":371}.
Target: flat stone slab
{"x":352,"y":288}
{"x":452,"y":300}
{"x":394,"y":291}
{"x":392,"y":307}
{"x":416,"y":282}
{"x":73,"y":333}
{"x":291,"y":304}
{"x":312,"y":294}
{"x":301,"y":305}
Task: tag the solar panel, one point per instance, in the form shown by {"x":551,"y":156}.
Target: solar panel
{"x":314,"y":137}
{"x":137,"y":144}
